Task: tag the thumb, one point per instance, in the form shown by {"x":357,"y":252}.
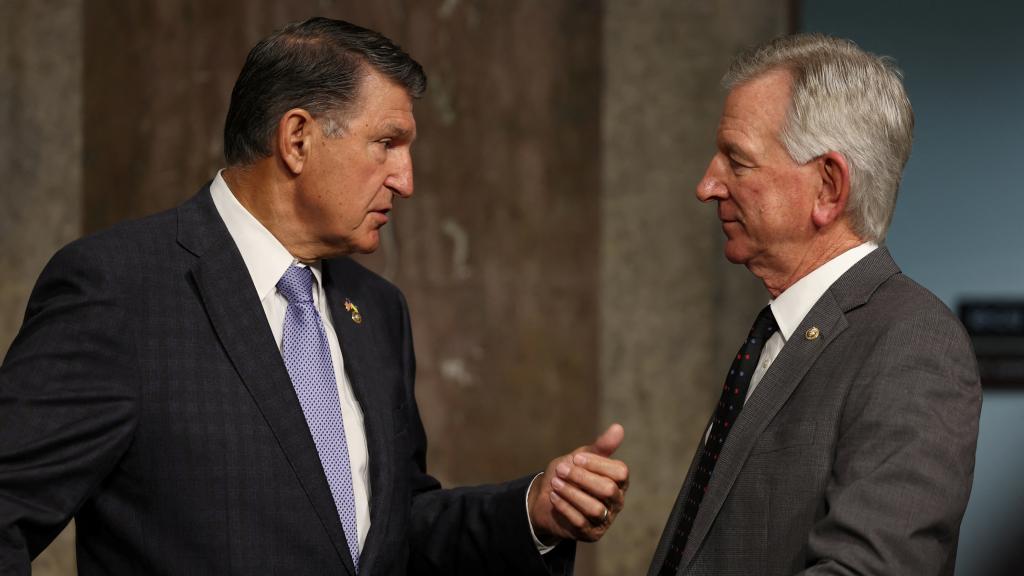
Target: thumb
{"x":608,"y":442}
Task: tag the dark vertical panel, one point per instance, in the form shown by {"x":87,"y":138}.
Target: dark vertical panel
{"x":795,"y":16}
{"x":498,"y":249}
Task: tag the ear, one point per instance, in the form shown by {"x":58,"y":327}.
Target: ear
{"x":830,"y":204}
{"x":295,"y":139}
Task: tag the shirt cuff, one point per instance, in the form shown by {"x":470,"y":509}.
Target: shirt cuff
{"x":541,"y":547}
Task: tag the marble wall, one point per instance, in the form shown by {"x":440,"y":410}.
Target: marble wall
{"x":560,"y":273}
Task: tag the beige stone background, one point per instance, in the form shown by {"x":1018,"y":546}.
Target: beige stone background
{"x":560,"y":273}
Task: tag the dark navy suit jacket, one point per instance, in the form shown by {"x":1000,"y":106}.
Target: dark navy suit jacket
{"x":145,"y":396}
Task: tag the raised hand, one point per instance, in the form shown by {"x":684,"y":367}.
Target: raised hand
{"x":580,"y":494}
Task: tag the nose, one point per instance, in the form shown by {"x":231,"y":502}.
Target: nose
{"x":710,"y":187}
{"x":400,"y":181}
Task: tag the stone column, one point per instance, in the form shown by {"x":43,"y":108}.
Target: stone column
{"x":40,"y":166}
{"x":672,"y":309}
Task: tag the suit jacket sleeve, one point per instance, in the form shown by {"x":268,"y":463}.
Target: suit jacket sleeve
{"x":468,"y":531}
{"x":67,"y":399}
{"x":904,"y":459}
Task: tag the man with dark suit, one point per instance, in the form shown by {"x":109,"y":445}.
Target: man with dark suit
{"x":844,"y":439}
{"x":217,"y":389}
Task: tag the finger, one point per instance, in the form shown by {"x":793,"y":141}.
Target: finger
{"x":608,"y":442}
{"x":616,"y":470}
{"x":578,"y":525}
{"x":599,"y":487}
{"x":592,"y":508}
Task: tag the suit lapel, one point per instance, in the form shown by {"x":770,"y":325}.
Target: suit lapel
{"x":361,"y":348}
{"x":852,"y":289}
{"x":237,"y":316}
{"x":775,"y":388}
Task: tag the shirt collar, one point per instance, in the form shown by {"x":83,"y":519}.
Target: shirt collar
{"x":265,"y":257}
{"x":792,"y":305}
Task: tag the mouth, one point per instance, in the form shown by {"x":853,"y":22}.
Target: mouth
{"x":382,"y":215}
{"x":728,"y":218}
{"x":729,"y":227}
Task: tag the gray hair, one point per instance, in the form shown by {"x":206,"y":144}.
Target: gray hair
{"x":844,"y":100}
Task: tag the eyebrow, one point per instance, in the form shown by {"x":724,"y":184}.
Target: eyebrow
{"x":733,"y":149}
{"x":395,"y":130}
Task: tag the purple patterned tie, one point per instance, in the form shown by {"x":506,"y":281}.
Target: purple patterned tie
{"x":308,"y":360}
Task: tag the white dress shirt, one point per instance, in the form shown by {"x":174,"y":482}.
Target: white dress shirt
{"x":792,"y":306}
{"x":267,"y":260}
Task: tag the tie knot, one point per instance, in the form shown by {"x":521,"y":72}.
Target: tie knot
{"x":765,"y":325}
{"x":296,"y":285}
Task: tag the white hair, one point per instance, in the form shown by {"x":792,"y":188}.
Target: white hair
{"x":844,"y":100}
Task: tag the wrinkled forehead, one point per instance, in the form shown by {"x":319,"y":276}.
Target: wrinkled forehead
{"x":758,"y":106}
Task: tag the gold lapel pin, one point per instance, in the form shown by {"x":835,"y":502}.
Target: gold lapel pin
{"x":356,"y":316}
{"x":812,"y":333}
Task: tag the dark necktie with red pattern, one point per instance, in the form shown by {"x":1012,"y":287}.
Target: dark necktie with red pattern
{"x":734,"y":392}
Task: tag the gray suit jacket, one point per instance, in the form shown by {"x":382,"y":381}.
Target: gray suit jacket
{"x":855,"y":453}
{"x":146,"y":396}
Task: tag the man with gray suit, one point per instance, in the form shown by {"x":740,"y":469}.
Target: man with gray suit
{"x":844,"y":439}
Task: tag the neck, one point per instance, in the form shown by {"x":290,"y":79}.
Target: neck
{"x":265,"y":195}
{"x":803,"y":261}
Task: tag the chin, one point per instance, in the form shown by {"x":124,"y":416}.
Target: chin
{"x":366,"y":249}
{"x":367,"y":245}
{"x":735,"y":253}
